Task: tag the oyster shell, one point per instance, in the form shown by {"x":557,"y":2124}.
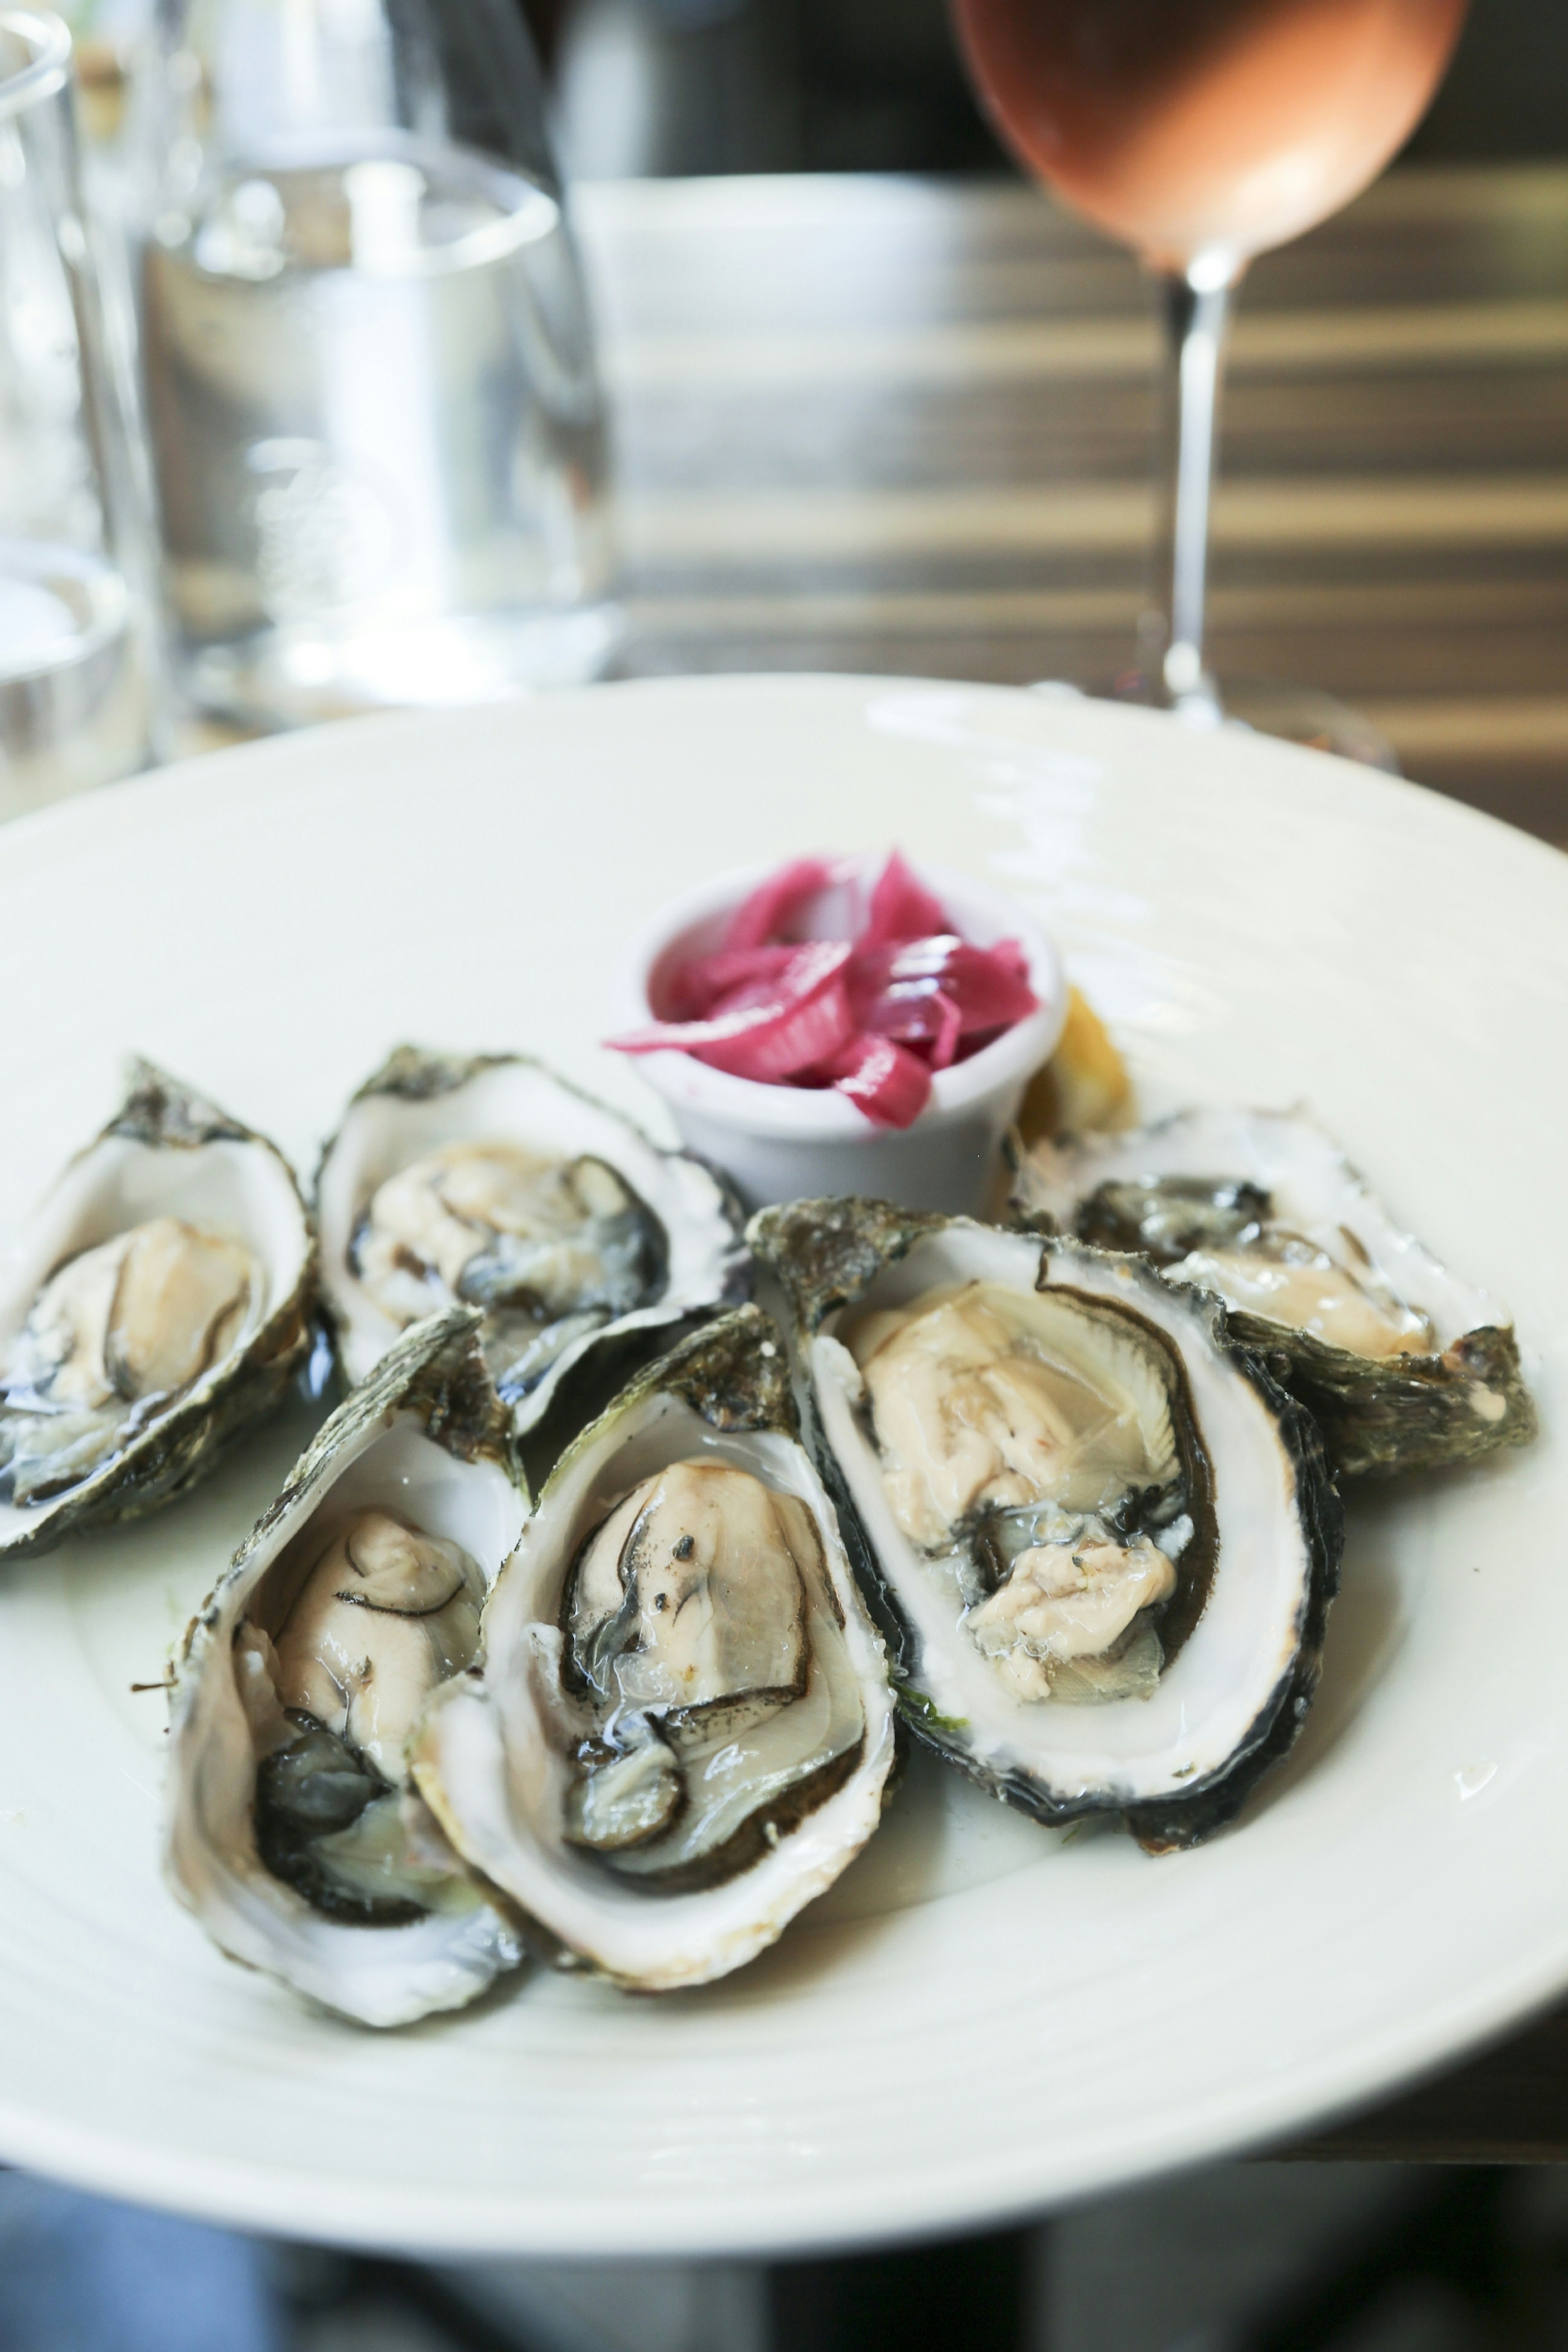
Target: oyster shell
{"x":294,"y":1834}
{"x":492,"y":1180}
{"x":1102,"y":1543}
{"x":684,"y":1729}
{"x":1403,"y":1366}
{"x":158,"y":1303}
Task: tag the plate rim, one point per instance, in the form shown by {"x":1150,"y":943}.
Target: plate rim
{"x":193,"y":773}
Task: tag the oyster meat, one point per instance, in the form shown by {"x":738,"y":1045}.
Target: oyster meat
{"x":492,"y":1182}
{"x":683,"y":1729}
{"x":1404,"y":1365}
{"x":160,"y":1302}
{"x":386,"y":1614}
{"x":1046,"y":1477}
{"x":295,"y":1833}
{"x":1101,"y":1541}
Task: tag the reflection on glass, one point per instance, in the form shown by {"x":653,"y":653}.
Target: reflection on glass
{"x":73,"y":700}
{"x":369,"y":369}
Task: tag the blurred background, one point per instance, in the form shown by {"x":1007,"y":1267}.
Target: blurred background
{"x":1344,"y":2257}
{"x":681,"y":87}
{"x":904,"y":423}
{"x":656,"y":87}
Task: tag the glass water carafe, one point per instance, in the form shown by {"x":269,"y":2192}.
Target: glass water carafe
{"x":367,"y":360}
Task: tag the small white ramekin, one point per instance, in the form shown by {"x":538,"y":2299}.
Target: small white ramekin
{"x":788,"y":1143}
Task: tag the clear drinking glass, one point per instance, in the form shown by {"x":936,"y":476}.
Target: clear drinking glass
{"x":73,"y":666}
{"x":367,"y":360}
{"x":1202,"y":132}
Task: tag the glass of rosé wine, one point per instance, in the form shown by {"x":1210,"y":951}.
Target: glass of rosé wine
{"x":1201,"y":133}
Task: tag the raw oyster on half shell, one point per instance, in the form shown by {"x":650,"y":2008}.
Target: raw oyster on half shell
{"x":683,"y":1729}
{"x":493,"y":1182}
{"x":1403,"y":1366}
{"x":295,"y":1834}
{"x":159,"y":1303}
{"x":1101,"y":1541}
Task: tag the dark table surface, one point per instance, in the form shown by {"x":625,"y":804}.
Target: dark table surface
{"x":905,"y":425}
{"x":902,"y":426}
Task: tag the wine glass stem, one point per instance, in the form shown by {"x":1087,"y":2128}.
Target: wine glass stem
{"x":1196,"y":304}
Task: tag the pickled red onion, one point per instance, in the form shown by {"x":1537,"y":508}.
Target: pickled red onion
{"x":885,"y":1080}
{"x":900,"y":908}
{"x":874,"y":1018}
{"x":773,"y":904}
{"x":801,"y":1019}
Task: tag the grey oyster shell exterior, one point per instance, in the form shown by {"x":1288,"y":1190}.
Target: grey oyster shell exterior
{"x":826,"y":1256}
{"x":482,"y":1753}
{"x":434,"y":1385}
{"x":709,"y":1268}
{"x":179,"y":1446}
{"x":1379,"y":1417}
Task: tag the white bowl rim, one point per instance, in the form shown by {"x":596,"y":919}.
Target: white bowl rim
{"x":754,"y":1105}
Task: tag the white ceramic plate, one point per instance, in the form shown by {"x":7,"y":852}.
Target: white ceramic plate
{"x":982,"y":2018}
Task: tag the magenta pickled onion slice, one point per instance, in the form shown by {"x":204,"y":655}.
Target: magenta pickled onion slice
{"x":804,"y":1020}
{"x":912,"y":1013}
{"x":900,"y":908}
{"x":775,"y":903}
{"x":706,"y":984}
{"x":1009,"y":954}
{"x":883,"y":1079}
{"x":788,"y":1038}
{"x":945,"y":1046}
{"x":988,"y":985}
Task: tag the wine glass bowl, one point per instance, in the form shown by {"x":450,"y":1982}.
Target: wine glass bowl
{"x":1192,"y":126}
